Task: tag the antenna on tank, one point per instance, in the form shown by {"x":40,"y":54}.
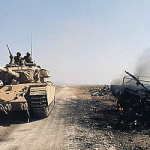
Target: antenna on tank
{"x":31,"y":46}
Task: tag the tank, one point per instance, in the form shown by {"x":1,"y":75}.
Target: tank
{"x":25,"y":88}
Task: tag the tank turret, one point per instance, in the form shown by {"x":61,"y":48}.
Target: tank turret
{"x":23,"y":74}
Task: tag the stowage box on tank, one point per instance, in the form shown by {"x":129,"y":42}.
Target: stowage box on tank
{"x":23,"y":87}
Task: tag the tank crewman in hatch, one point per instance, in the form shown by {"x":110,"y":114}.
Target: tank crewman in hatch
{"x":28,"y":58}
{"x":18,"y":59}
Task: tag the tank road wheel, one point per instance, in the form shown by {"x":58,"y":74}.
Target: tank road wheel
{"x":44,"y":112}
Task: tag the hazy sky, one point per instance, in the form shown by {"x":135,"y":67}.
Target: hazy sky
{"x":79,"y":41}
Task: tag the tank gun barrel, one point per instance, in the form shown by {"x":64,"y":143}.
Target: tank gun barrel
{"x":7,"y":70}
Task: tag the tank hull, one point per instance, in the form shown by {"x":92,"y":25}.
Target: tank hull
{"x":36,"y":97}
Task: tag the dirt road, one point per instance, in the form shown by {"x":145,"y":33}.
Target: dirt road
{"x":76,"y":123}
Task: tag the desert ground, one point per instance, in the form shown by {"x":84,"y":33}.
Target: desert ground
{"x":81,"y":119}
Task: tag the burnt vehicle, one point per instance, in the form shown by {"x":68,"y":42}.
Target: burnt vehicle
{"x":23,"y":88}
{"x":133,"y":98}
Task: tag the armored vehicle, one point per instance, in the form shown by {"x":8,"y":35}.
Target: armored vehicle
{"x":23,"y":88}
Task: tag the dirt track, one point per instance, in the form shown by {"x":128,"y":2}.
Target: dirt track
{"x":76,"y":122}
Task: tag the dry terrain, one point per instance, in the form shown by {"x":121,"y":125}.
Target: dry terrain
{"x":78,"y":121}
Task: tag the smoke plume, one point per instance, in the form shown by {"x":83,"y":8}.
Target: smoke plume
{"x":142,"y":67}
{"x":143,"y":64}
{"x":117,"y":81}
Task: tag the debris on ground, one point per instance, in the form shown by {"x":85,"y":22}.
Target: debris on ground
{"x":103,"y":92}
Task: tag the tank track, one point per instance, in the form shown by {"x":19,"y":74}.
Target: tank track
{"x":40,"y":107}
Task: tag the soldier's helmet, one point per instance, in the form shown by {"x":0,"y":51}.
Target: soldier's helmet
{"x":18,"y":54}
{"x":28,"y":54}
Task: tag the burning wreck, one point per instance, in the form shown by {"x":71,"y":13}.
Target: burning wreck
{"x":133,"y":98}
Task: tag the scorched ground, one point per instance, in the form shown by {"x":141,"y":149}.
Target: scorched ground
{"x":78,"y":121}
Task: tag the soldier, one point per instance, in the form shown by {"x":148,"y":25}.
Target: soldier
{"x":28,"y":58}
{"x":18,"y":59}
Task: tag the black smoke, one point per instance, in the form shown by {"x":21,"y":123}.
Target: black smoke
{"x":142,"y":67}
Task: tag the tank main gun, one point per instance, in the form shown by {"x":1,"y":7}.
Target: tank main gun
{"x":9,"y":71}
